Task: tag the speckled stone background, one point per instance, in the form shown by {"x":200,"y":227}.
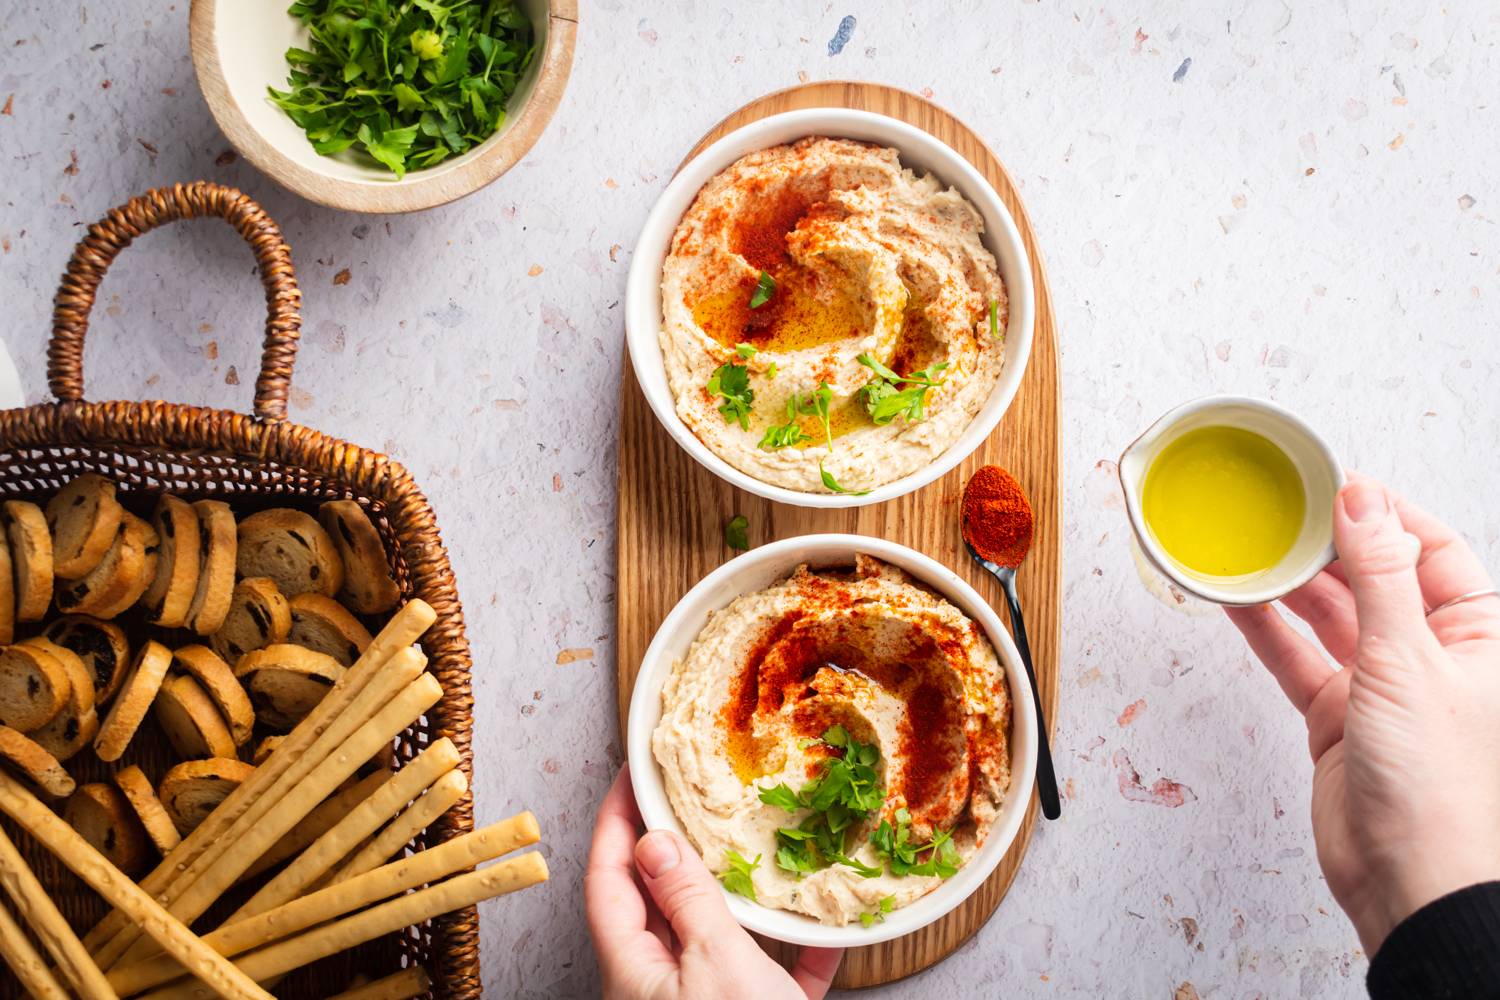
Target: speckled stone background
{"x":1292,"y":201}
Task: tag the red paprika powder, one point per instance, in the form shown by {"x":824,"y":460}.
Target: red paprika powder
{"x":997,"y":516}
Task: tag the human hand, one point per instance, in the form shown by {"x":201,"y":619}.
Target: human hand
{"x":1406,"y":738}
{"x":660,"y":925}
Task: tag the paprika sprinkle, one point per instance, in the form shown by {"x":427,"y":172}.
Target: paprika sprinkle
{"x":997,"y":520}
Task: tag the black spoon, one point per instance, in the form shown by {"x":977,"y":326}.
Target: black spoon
{"x":1046,"y":777}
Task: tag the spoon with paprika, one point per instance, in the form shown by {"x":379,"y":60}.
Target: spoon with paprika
{"x":997,"y":529}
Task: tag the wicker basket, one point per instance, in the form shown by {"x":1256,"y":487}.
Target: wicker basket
{"x":250,"y":461}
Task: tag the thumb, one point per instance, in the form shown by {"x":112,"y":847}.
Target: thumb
{"x":685,"y":890}
{"x":1380,"y":560}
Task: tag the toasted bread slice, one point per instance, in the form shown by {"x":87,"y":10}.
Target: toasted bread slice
{"x":193,"y":789}
{"x":292,"y":549}
{"x":326,"y":626}
{"x":83,"y":517}
{"x":100,"y":645}
{"x":102,"y":590}
{"x":219,"y":683}
{"x":33,"y":687}
{"x":76,"y":723}
{"x":136,"y":696}
{"x":368,"y":585}
{"x":31,"y":558}
{"x":35,"y":764}
{"x":217,"y":544}
{"x":258,"y":617}
{"x":191,"y":720}
{"x":285,"y":682}
{"x":134,"y":571}
{"x":106,"y":820}
{"x":7,"y":594}
{"x":178,"y":560}
{"x":148,"y":808}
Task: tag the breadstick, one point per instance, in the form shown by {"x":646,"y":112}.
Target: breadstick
{"x":399,"y":671}
{"x":408,"y":706}
{"x":357,"y":824}
{"x":221,"y":977}
{"x":327,"y":904}
{"x":418,"y":816}
{"x":35,"y":906}
{"x":410,"y":982}
{"x":324,"y":817}
{"x":400,"y":632}
{"x":462,"y":890}
{"x":26,"y":963}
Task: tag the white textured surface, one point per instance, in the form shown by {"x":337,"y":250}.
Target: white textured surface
{"x":1307,"y":213}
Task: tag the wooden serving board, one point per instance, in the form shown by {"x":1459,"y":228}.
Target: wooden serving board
{"x":672,"y":512}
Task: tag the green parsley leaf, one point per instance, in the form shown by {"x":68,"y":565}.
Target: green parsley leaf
{"x":782,"y":797}
{"x":995,"y":320}
{"x":746,"y":351}
{"x":407,"y":84}
{"x":785,"y":435}
{"x":736,"y":533}
{"x":771,"y":370}
{"x":833,"y":484}
{"x":868,"y":919}
{"x":765,"y":287}
{"x":893,"y":843}
{"x":732,"y":382}
{"x":860,"y":868}
{"x":736,"y":878}
{"x":887,"y":904}
{"x":818,"y":404}
{"x":884,"y":398}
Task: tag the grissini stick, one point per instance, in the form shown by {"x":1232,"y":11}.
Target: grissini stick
{"x":412,"y":981}
{"x":27,"y":963}
{"x":394,"y":676}
{"x":324,"y":817}
{"x":404,"y":709}
{"x":400,"y":632}
{"x":421,"y":814}
{"x":218,"y":976}
{"x":361,"y":821}
{"x":35,"y":906}
{"x":292,"y":953}
{"x":427,"y":866}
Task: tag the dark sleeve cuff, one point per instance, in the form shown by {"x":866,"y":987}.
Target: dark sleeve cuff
{"x":1447,"y":950}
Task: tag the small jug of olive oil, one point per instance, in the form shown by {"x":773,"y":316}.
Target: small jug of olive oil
{"x":1232,"y":499}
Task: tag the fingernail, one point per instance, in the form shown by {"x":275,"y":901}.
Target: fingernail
{"x":1365,"y":501}
{"x":657,"y":854}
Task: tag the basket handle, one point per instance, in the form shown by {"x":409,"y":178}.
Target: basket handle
{"x":107,"y":237}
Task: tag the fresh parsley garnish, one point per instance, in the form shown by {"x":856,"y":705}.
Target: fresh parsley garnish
{"x":736,"y":533}
{"x":884,"y":398}
{"x":732,"y":382}
{"x":409,"y":84}
{"x":870,"y":919}
{"x":736,"y":878}
{"x":817,"y":405}
{"x":746,"y":351}
{"x":846,"y":791}
{"x":894,"y":844}
{"x":833,"y":484}
{"x":765,"y":287}
{"x":995,"y":320}
{"x":771,"y":370}
{"x":786,"y":435}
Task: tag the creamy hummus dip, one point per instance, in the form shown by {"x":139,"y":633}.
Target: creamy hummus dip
{"x":892,"y":663}
{"x":866,"y":257}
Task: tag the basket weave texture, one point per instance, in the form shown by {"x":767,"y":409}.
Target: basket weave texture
{"x":251,"y":462}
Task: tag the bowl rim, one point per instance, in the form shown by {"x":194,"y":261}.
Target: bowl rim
{"x":1153,"y":551}
{"x":417,"y":190}
{"x":691,"y":611}
{"x":1002,"y":237}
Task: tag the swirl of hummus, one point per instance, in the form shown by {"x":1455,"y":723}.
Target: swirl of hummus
{"x":866,"y":257}
{"x":895,"y":665}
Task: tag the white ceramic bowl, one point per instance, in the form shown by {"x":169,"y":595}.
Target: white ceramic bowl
{"x":756,"y":570}
{"x":1322,"y":477}
{"x":239,"y":49}
{"x":919,"y":151}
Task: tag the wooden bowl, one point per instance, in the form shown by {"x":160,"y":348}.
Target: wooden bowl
{"x":239,"y":50}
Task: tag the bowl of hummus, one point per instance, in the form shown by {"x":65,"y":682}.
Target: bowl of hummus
{"x":829,"y":308}
{"x":842,"y":728}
